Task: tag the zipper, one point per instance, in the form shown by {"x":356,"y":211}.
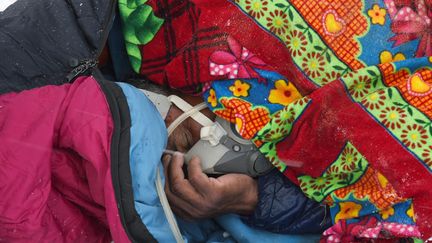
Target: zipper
{"x":82,"y":68}
{"x":107,"y":25}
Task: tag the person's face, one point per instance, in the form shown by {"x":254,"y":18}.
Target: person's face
{"x":187,"y":133}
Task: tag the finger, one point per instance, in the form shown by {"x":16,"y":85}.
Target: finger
{"x":166,"y":160}
{"x":178,"y":184}
{"x":197,"y":178}
{"x":176,"y":162}
{"x":182,"y":213}
{"x":180,"y":207}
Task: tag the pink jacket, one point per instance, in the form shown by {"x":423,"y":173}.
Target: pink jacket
{"x":55,"y":158}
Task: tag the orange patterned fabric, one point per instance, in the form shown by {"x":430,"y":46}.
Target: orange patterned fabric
{"x":400,"y":80}
{"x":372,"y":186}
{"x":249,"y":120}
{"x":347,"y":14}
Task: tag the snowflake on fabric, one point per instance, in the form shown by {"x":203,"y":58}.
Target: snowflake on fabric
{"x":285,"y":116}
{"x":296,"y":43}
{"x":375,"y":100}
{"x":256,"y":8}
{"x":313,"y":64}
{"x":349,"y":159}
{"x":277,"y":22}
{"x":414,"y":136}
{"x":360,"y":87}
{"x":393,"y":117}
{"x":427,"y":155}
{"x":330,"y":77}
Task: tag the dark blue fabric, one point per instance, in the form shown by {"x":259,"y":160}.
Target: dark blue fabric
{"x":119,"y":58}
{"x":42,"y":41}
{"x":283,"y":208}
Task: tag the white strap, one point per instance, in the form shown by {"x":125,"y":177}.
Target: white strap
{"x":194,"y":113}
{"x":185,"y":107}
{"x":167,"y":209}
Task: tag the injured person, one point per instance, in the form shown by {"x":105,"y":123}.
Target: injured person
{"x":335,"y":94}
{"x":245,"y":184}
{"x":82,"y":163}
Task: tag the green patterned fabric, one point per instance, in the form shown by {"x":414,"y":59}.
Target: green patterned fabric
{"x":140,"y":25}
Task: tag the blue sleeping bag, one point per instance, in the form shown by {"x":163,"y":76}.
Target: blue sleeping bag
{"x":148,"y":140}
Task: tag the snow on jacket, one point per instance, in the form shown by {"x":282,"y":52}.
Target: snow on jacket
{"x":58,"y":149}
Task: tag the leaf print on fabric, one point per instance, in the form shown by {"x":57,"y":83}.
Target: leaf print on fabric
{"x":140,"y":26}
{"x":276,"y":134}
{"x":319,"y":183}
{"x":283,"y":118}
{"x":270,"y":153}
{"x":362,"y":83}
{"x":284,"y":93}
{"x":372,"y":187}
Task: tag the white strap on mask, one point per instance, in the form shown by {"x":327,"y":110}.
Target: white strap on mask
{"x":189,"y":111}
{"x":167,"y":209}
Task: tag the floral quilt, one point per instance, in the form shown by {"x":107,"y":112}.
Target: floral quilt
{"x":337,"y":95}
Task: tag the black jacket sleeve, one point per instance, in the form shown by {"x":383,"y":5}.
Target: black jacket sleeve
{"x":283,"y":208}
